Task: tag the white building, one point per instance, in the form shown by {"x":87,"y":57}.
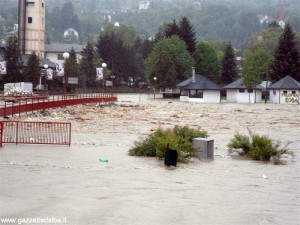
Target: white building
{"x":199,"y":89}
{"x":70,"y":33}
{"x":285,"y":91}
{"x":144,"y":4}
{"x":237,"y":92}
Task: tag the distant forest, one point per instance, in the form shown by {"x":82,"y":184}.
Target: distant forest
{"x":227,"y":20}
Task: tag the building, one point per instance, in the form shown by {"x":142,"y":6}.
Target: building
{"x":54,"y":52}
{"x":31,"y":31}
{"x":71,"y":34}
{"x":285,"y":91}
{"x":199,"y":89}
{"x":237,"y":92}
{"x":144,"y":4}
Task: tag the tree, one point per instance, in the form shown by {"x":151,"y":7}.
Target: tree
{"x":255,"y":64}
{"x":286,"y":57}
{"x":172,"y":52}
{"x":72,"y":67}
{"x":32,"y":71}
{"x":172,"y":29}
{"x":88,"y":75}
{"x":187,"y":33}
{"x":207,"y":62}
{"x":229,"y":68}
{"x":12,"y":56}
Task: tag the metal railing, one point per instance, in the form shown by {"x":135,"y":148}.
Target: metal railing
{"x":20,"y":132}
{"x":16,"y":106}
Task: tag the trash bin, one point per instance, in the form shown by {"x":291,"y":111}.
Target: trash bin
{"x":171,"y":157}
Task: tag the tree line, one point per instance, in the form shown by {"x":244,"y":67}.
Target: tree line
{"x":169,"y":57}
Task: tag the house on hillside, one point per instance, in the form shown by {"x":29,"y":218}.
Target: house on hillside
{"x":199,"y":89}
{"x":237,"y":92}
{"x":71,"y":34}
{"x":144,"y":4}
{"x":285,"y":91}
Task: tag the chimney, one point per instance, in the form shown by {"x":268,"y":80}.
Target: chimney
{"x":194,"y":79}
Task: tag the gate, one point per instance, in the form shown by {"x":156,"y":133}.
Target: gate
{"x":20,"y":132}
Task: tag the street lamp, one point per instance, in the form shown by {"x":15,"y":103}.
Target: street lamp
{"x":104,"y":65}
{"x":42,"y":74}
{"x":154,"y":89}
{"x":66,"y":55}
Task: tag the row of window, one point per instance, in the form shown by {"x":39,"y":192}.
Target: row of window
{"x":31,"y":4}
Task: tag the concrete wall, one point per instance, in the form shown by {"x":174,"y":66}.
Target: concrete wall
{"x":35,"y":31}
{"x":284,"y":96}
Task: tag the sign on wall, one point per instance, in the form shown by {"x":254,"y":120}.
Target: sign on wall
{"x":99,"y":73}
{"x":2,"y":68}
{"x":49,"y":74}
{"x":291,"y":97}
{"x":59,"y":69}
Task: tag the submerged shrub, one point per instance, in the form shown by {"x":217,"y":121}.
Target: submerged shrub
{"x":258,"y":147}
{"x":240,"y":141}
{"x":179,"y":138}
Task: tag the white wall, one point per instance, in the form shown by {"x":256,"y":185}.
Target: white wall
{"x":231,"y":95}
{"x":280,"y":97}
{"x":244,"y":97}
{"x":209,"y":96}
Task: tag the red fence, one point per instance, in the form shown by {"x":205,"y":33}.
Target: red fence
{"x":57,"y":133}
{"x":23,"y":105}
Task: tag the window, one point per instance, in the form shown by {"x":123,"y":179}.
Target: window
{"x":30,"y":4}
{"x":293,"y":92}
{"x":184,"y":93}
{"x":29,"y":19}
{"x":196,"y":94}
{"x":42,"y":5}
{"x":60,"y":57}
{"x":241,"y":90}
{"x":250,"y":90}
{"x":274,"y":92}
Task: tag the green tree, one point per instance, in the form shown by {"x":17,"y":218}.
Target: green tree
{"x":174,"y":51}
{"x":286,"y":56}
{"x":229,"y":67}
{"x":32,"y":71}
{"x":188,"y":34}
{"x":172,"y":29}
{"x":88,"y":74}
{"x":267,"y":39}
{"x":73,"y":69}
{"x":255,"y":64}
{"x":207,"y":61}
{"x":12,"y":56}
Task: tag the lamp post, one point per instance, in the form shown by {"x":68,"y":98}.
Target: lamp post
{"x":104,"y":65}
{"x":42,"y":74}
{"x":66,"y":55}
{"x":154,"y":89}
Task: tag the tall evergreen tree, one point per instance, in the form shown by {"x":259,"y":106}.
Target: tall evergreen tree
{"x":12,"y":56}
{"x":229,"y":67}
{"x":286,"y":57}
{"x":172,"y":29}
{"x":88,"y":75}
{"x":188,"y":34}
{"x":74,"y":67}
{"x":32,"y":72}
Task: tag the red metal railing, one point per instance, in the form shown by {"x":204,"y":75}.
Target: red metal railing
{"x":20,"y":132}
{"x":17,"y":106}
{"x":1,"y":131}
